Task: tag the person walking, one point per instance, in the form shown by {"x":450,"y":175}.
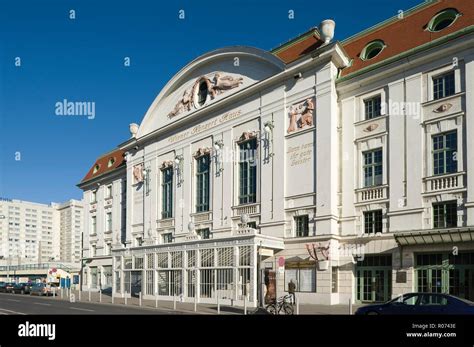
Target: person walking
{"x":291,"y":290}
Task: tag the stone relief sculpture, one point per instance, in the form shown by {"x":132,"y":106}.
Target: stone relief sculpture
{"x":214,"y":87}
{"x":247,"y":135}
{"x":138,"y":173}
{"x":202,"y":151}
{"x":166,"y":164}
{"x":301,"y":115}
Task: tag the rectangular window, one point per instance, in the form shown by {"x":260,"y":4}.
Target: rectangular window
{"x":303,"y":278}
{"x":373,"y":168}
{"x":334,"y":279}
{"x":373,"y":107}
{"x":94,"y":225}
{"x":248,"y":172}
{"x":167,"y":193}
{"x":445,"y":215}
{"x":302,"y":226}
{"x":444,"y":153}
{"x":443,"y":85}
{"x":204,"y":233}
{"x":108,"y":192}
{"x":373,"y":222}
{"x":167,"y":238}
{"x":108,"y":221}
{"x":202,"y":183}
{"x":94,"y":196}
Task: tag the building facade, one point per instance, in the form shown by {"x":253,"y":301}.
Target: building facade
{"x":345,"y":167}
{"x":70,"y":225}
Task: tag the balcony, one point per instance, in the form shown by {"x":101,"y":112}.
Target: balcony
{"x":201,"y":217}
{"x":443,"y":183}
{"x":373,"y":193}
{"x":249,"y":209}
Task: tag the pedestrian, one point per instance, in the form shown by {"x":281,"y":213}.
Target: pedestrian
{"x":291,"y":290}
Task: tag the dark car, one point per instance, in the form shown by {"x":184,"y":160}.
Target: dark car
{"x":41,"y":289}
{"x":6,"y":287}
{"x":22,"y":288}
{"x":420,"y":303}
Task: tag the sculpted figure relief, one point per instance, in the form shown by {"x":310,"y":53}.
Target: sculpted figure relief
{"x":138,"y":173}
{"x":301,"y":115}
{"x":216,"y":86}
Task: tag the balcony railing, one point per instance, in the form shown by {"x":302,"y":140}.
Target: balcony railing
{"x":372,"y":193}
{"x":444,"y":182}
{"x":246,"y":209}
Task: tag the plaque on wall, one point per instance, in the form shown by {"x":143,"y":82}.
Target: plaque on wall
{"x":401,"y":277}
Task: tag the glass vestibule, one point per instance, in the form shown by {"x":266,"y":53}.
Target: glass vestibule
{"x":374,"y":279}
{"x":445,"y":273}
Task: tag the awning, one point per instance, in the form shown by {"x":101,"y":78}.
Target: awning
{"x":433,"y":236}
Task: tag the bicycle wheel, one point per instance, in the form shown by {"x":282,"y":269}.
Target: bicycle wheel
{"x":271,"y":309}
{"x":287,"y":308}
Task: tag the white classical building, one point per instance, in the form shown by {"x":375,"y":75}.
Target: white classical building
{"x":343,"y":166}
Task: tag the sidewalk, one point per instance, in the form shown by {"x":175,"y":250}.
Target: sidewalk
{"x":188,"y":308}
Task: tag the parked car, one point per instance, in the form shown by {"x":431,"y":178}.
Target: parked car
{"x":22,"y":288}
{"x":420,"y":303}
{"x":41,"y":289}
{"x":6,"y":287}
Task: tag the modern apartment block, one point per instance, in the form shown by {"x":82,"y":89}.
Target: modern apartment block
{"x":344,"y":166}
{"x":33,"y":233}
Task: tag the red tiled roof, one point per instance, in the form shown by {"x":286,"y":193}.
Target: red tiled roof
{"x":407,"y":33}
{"x":298,"y":47}
{"x":103,"y":164}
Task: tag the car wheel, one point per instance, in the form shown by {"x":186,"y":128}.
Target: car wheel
{"x":372,"y":313}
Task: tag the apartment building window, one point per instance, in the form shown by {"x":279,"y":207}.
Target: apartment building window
{"x":444,"y":153}
{"x":94,"y":225}
{"x":202,"y":183}
{"x":167,"y":238}
{"x":373,"y":222}
{"x":302,"y":226}
{"x":373,"y":107}
{"x":443,"y":85}
{"x":445,"y":215}
{"x":108,"y":192}
{"x":204,"y":233}
{"x":94,"y":196}
{"x":108,"y":221}
{"x":248,"y":172}
{"x":167,"y":193}
{"x":373,"y":168}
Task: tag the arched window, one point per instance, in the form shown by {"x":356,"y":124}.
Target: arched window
{"x":443,"y":19}
{"x":202,"y":94}
{"x":96,"y":168}
{"x":372,"y":49}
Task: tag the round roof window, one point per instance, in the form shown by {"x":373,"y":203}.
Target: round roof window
{"x":443,"y":19}
{"x":372,"y":49}
{"x":96,"y":168}
{"x":111,"y":162}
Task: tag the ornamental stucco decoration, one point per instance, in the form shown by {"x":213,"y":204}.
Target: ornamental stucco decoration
{"x":138,"y":173}
{"x":218,"y":85}
{"x":247,"y":135}
{"x":301,"y":115}
{"x":166,"y":164}
{"x":202,"y":151}
{"x":371,"y":127}
{"x":443,"y":108}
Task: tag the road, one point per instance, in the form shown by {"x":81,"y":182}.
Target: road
{"x":26,"y":304}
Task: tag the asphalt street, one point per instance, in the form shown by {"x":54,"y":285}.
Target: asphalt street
{"x":25,"y":304}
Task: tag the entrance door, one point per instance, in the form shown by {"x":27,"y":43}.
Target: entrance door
{"x":270,"y":285}
{"x":136,"y":282}
{"x":374,"y":285}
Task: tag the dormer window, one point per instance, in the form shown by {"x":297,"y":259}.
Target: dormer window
{"x":372,"y":49}
{"x":111,"y":162}
{"x":96,"y":168}
{"x":202,"y":93}
{"x":443,"y":19}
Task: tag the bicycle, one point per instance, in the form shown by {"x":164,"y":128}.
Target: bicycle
{"x":282,"y":303}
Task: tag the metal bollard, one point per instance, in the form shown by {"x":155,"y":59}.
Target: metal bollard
{"x":100,"y":295}
{"x":140,"y":299}
{"x":113,"y":298}
{"x":297,"y":305}
{"x":218,"y":305}
{"x":89,"y":294}
{"x":195,"y":302}
{"x":350,"y":305}
{"x":245,"y":304}
{"x":174,"y":302}
{"x":79,"y":295}
{"x":156,"y":300}
{"x":54,"y":292}
{"x":125,"y":298}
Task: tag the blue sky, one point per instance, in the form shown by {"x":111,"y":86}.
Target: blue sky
{"x":82,"y":60}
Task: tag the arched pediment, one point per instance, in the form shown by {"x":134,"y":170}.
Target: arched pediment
{"x":206,"y":80}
